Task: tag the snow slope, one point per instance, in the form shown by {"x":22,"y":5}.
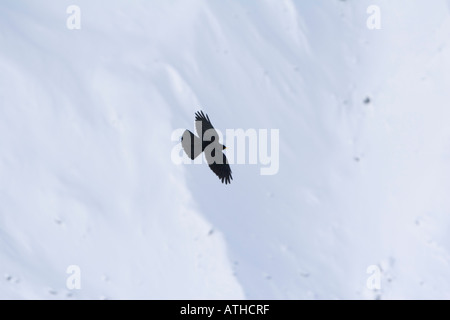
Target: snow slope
{"x":87,"y":179}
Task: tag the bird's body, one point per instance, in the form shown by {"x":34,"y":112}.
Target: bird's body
{"x":209,"y":144}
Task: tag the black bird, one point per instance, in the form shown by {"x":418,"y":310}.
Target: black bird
{"x":208,"y":143}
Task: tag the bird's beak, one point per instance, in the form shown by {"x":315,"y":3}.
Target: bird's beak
{"x":224,"y":147}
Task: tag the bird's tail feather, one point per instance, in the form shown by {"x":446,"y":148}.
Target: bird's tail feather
{"x":192,"y":144}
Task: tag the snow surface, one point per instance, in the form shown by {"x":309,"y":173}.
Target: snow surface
{"x":87,"y":179}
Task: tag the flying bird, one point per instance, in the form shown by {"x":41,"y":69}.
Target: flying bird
{"x":207,"y":142}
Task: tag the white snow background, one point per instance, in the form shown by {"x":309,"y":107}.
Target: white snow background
{"x":87,"y":179}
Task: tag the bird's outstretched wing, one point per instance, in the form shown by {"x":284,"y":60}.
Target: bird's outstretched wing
{"x":203,"y":124}
{"x":222,"y":170}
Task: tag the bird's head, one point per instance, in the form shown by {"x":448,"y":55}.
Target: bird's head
{"x":223,"y":147}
